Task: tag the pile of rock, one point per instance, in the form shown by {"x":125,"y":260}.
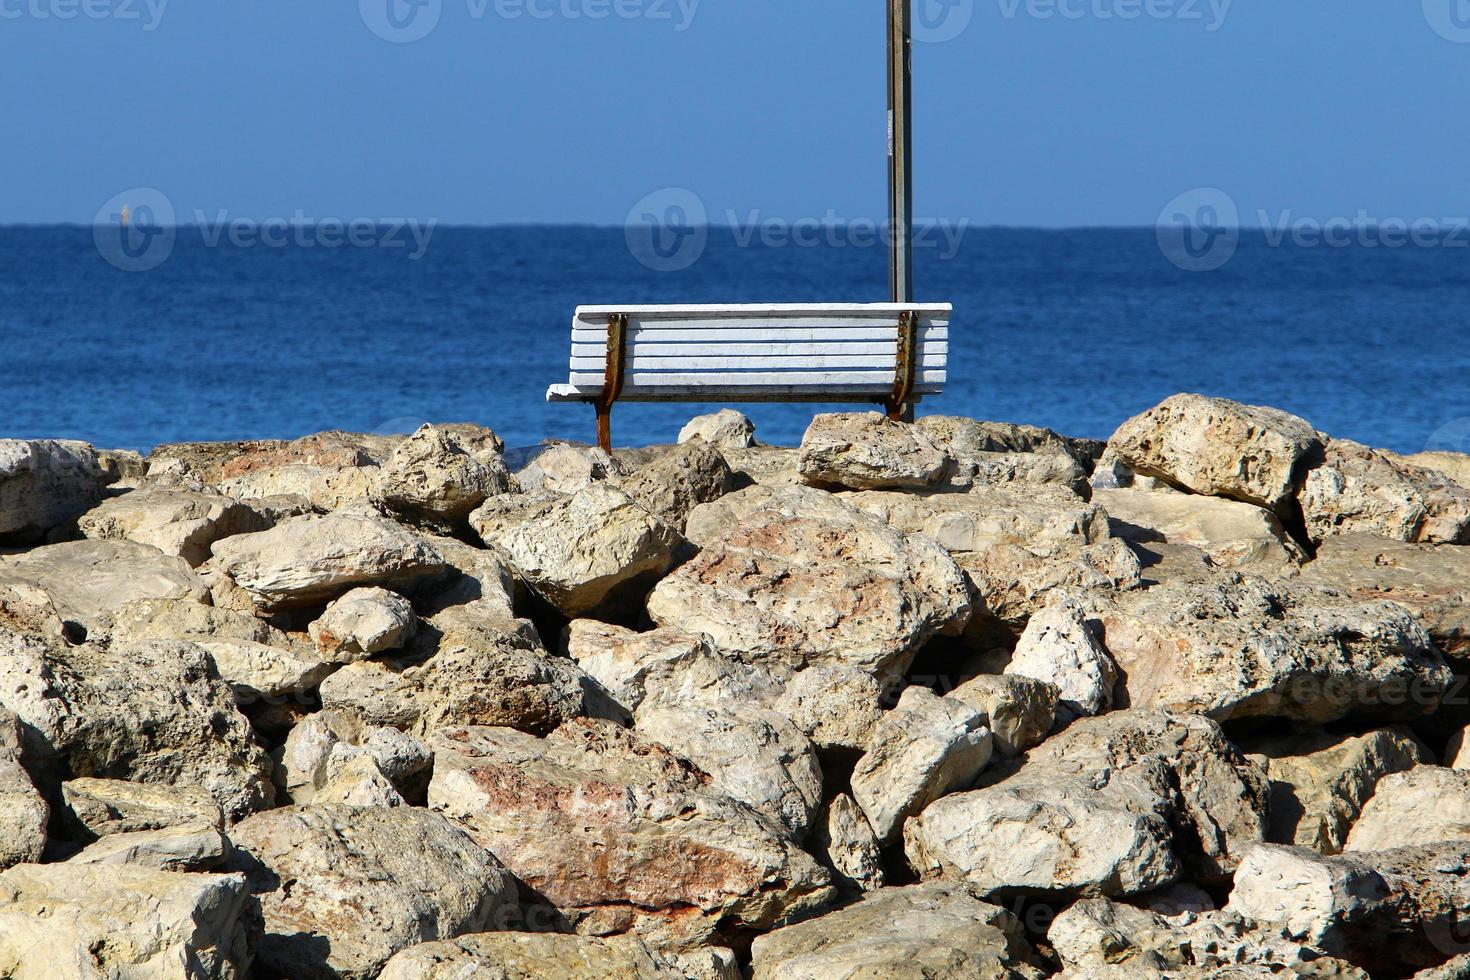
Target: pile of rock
{"x":949,"y":699}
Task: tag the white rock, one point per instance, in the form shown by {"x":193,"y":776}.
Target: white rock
{"x":930,"y":930}
{"x":836,"y":707}
{"x":324,"y":747}
{"x":441,"y":473}
{"x":1357,"y":489}
{"x":311,"y":560}
{"x":1221,"y":448}
{"x":926,"y":747}
{"x":362,"y":623}
{"x":182,"y":523}
{"x":24,"y":815}
{"x":678,"y":480}
{"x":1019,"y":711}
{"x":844,"y":840}
{"x":1060,"y":646}
{"x":866,"y":451}
{"x":1232,"y":533}
{"x":795,"y":577}
{"x":560,"y":468}
{"x":359,"y":781}
{"x":1424,"y":805}
{"x":88,"y":582}
{"x":43,"y":484}
{"x":95,"y":808}
{"x":344,"y":888}
{"x":1315,"y":899}
{"x":150,"y":924}
{"x":725,"y":429}
{"x":188,"y":847}
{"x":532,"y":956}
{"x":257,"y":671}
{"x":594,"y":550}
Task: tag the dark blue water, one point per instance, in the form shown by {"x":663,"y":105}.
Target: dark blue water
{"x":1076,"y":330}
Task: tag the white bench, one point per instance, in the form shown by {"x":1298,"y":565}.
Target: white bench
{"x":889,"y":353}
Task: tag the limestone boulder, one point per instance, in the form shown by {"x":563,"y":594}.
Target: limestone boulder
{"x":439,"y":474}
{"x":1242,"y":647}
{"x":772,"y":466}
{"x":1362,"y":490}
{"x":475,"y":677}
{"x":1320,"y":782}
{"x":689,"y":474}
{"x":362,"y":623}
{"x":752,"y":754}
{"x":563,"y":468}
{"x":836,"y":707}
{"x":308,"y":561}
{"x":1019,"y":711}
{"x":1046,"y":521}
{"x":929,"y":930}
{"x":93,"y":808}
{"x":1221,"y":448}
{"x":24,"y":815}
{"x":629,"y":667}
{"x":1432,"y":582}
{"x":260,"y":672}
{"x":45,"y":484}
{"x":186,"y":619}
{"x":1114,"y":805}
{"x":88,"y":582}
{"x":1097,"y":937}
{"x":150,"y":712}
{"x":796,"y":577}
{"x":592,"y":551}
{"x":331,"y":470}
{"x":845,"y":842}
{"x":1232,"y":533}
{"x":1060,"y":645}
{"x":360,"y":782}
{"x":1010,"y":583}
{"x":675,"y":861}
{"x":532,"y":956}
{"x":151,"y":923}
{"x":344,"y":888}
{"x":965,"y":438}
{"x":725,"y":429}
{"x":182,"y":523}
{"x":1422,"y":805}
{"x":323,"y":748}
{"x":867,"y":451}
{"x":926,"y":747}
{"x":187,"y":847}
{"x":1454,"y":465}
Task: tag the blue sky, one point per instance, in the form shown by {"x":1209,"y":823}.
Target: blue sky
{"x":1038,"y":112}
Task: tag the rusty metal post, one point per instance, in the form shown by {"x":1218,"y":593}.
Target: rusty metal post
{"x":900,"y":145}
{"x":900,"y":402}
{"x":612,"y":377}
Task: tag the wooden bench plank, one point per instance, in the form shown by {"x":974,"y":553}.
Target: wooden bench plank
{"x":888,"y":350}
{"x":834,"y":378}
{"x":641,"y":362}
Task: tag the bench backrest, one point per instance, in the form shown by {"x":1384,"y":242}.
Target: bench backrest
{"x":764,"y":352}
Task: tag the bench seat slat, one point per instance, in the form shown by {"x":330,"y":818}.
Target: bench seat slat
{"x":641,"y":362}
{"x":793,"y":335}
{"x":743,"y":393}
{"x":654,"y":379}
{"x":885,"y":350}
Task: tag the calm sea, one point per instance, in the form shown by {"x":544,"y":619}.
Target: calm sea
{"x":1076,"y":330}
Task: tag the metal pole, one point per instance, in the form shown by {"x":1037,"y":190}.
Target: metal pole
{"x":900,"y":143}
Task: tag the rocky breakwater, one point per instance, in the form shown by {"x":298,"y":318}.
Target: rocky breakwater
{"x":949,"y":699}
